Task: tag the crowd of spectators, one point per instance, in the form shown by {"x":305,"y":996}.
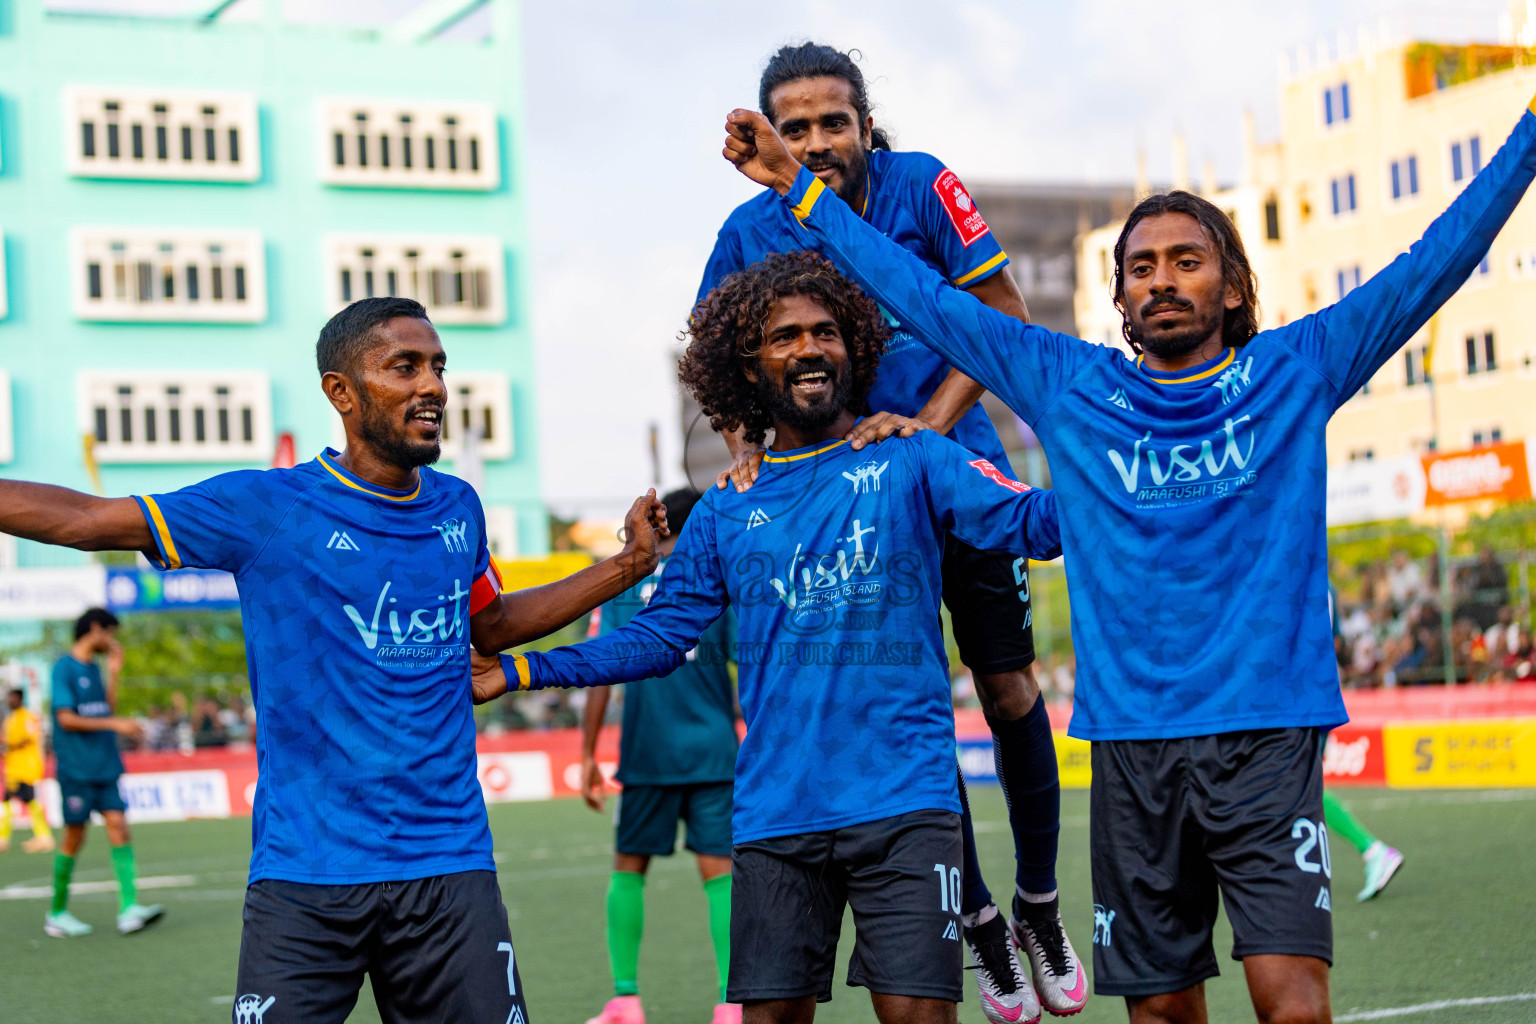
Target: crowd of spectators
{"x":1390,"y":630}
{"x":207,"y":721}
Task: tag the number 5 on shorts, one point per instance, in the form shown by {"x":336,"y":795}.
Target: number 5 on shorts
{"x":949,"y":889}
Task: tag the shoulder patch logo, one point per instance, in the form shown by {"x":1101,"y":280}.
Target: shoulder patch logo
{"x":962,"y":211}
{"x":758,"y":518}
{"x":994,"y":474}
{"x":341,"y":542}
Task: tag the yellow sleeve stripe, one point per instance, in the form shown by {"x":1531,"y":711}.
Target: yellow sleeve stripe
{"x":524,"y":680}
{"x":1532,"y":105}
{"x":994,"y":262}
{"x":802,"y":209}
{"x":157,"y":520}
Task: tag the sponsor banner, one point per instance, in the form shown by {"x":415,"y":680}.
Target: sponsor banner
{"x":1496,"y":472}
{"x":1481,"y":753}
{"x":516,"y":776}
{"x":1072,"y":761}
{"x":1371,"y":490}
{"x":176,"y":796}
{"x":148,"y":590}
{"x":51,"y":593}
{"x":1354,"y":757}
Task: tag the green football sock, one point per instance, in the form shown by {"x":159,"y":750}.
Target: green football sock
{"x":626,"y":923}
{"x":123,"y":867}
{"x":63,"y":870}
{"x":718,"y":891}
{"x":1342,"y":823}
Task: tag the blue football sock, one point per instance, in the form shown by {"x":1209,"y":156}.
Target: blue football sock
{"x":1026,"y":767}
{"x":974,"y":894}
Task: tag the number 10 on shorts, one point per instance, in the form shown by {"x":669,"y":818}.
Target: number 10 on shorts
{"x":949,"y":888}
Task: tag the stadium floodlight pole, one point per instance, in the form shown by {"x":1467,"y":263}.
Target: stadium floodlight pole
{"x":1193,"y":480}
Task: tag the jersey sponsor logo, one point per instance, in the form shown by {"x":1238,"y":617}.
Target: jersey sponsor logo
{"x":1103,"y":921}
{"x":251,"y":1008}
{"x":1234,"y":380}
{"x":424,"y":638}
{"x":994,"y":474}
{"x":341,"y":542}
{"x":454,"y":533}
{"x":758,"y":518}
{"x":950,"y":932}
{"x":866,"y":476}
{"x":93,"y":708}
{"x":818,"y":583}
{"x":1187,"y":472}
{"x":1121,"y":399}
{"x":963,"y":214}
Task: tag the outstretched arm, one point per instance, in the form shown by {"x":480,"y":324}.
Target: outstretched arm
{"x":523,"y":616}
{"x":58,"y":515}
{"x":973,"y":500}
{"x":1024,"y":365}
{"x":1350,"y":340}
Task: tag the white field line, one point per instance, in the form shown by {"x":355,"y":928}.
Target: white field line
{"x":1421,"y":799}
{"x":1443,"y":1004}
{"x":41,"y":892}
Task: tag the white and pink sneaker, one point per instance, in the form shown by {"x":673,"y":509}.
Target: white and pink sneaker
{"x":726,"y":1013}
{"x":621,"y":1010}
{"x":1057,"y":972}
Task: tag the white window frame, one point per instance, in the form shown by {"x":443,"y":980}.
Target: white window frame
{"x":1409,"y":176}
{"x":483,"y":260}
{"x":463,"y":140}
{"x":168,"y":252}
{"x":1341,"y":180}
{"x":1463,"y":138}
{"x":185,"y":121}
{"x":1347,"y":279}
{"x":1479,"y":370}
{"x":1416,"y":355}
{"x":98,"y":389}
{"x":1339,"y":92}
{"x":501,"y":534}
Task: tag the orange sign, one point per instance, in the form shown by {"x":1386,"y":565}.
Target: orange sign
{"x":1497,"y":472}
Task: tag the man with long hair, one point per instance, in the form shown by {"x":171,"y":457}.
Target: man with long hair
{"x":1193,"y":479}
{"x":817,"y":99}
{"x":364,"y":577}
{"x":845,"y":785}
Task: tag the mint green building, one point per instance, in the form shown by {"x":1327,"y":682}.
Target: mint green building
{"x":184,"y":203}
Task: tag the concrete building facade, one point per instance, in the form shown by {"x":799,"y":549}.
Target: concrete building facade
{"x":183,"y":204}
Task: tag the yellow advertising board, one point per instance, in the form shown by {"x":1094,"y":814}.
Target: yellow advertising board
{"x":1468,"y":752}
{"x":522,"y":573}
{"x":1073,"y":761}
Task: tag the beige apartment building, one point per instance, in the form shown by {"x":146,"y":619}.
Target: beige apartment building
{"x":1374,"y":144}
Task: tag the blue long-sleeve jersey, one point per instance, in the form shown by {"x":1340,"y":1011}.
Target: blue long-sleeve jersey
{"x":831,"y":562}
{"x":1192,"y":502}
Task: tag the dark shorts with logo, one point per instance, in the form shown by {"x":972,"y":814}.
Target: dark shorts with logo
{"x":79,"y":799}
{"x":434,"y":949}
{"x":1174,"y":822}
{"x":900,"y":875}
{"x":647,"y":816}
{"x":22,"y":791}
{"x":987,"y":594}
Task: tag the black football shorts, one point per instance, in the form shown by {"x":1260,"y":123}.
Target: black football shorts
{"x":1174,"y":822}
{"x":987,"y":594}
{"x":901,"y":876}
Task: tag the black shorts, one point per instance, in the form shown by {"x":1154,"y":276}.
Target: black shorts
{"x":646,"y":819}
{"x":901,"y":875}
{"x":987,"y":594}
{"x":22,"y":791}
{"x":79,"y":799}
{"x":435,"y":949}
{"x":1173,"y":822}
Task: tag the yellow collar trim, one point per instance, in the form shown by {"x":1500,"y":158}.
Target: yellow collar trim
{"x":358,"y":487}
{"x":1231,"y":355}
{"x":802,"y":455}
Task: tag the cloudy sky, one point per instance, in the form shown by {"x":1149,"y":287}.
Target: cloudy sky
{"x":625,"y":102}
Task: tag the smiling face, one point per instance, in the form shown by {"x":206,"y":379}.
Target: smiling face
{"x":1175,"y":293}
{"x":802,"y":371}
{"x":394,"y":403}
{"x":819,"y":123}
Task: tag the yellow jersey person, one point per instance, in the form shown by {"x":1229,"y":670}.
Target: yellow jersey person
{"x":23,"y":768}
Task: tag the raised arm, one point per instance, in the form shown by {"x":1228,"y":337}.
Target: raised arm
{"x":523,"y":616}
{"x":1350,"y":340}
{"x":1024,"y":365}
{"x":58,"y":515}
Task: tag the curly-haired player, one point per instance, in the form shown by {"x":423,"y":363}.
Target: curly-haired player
{"x":845,"y":788}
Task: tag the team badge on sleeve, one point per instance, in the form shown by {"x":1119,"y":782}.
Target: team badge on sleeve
{"x":963,"y":214}
{"x":994,"y":474}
